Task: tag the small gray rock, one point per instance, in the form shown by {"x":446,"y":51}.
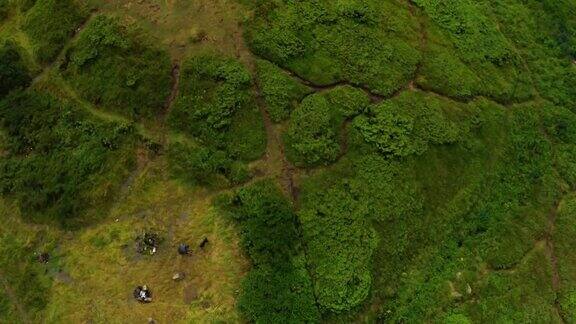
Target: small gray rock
{"x":178,"y":276}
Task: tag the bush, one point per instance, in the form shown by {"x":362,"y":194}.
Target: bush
{"x":444,"y":73}
{"x":280,"y":91}
{"x":338,"y":207}
{"x":13,"y":71}
{"x":117,"y":69}
{"x":278,"y":289}
{"x":340,"y":243}
{"x":312,"y":138}
{"x":407,"y":124}
{"x":348,"y":101}
{"x":313,"y":133}
{"x":245,"y":139}
{"x":239,"y":173}
{"x":60,"y":163}
{"x":205,"y":166}
{"x":23,"y":274}
{"x":212,"y":90}
{"x":4,"y":9}
{"x":370,"y":43}
{"x":216,"y":105}
{"x":538,"y":29}
{"x":469,"y":56}
{"x":49,"y":24}
{"x":564,"y":238}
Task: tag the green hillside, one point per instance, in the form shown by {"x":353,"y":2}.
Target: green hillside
{"x":324,"y":161}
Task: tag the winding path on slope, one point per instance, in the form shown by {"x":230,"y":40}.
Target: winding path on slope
{"x":59,"y":58}
{"x":551,"y":251}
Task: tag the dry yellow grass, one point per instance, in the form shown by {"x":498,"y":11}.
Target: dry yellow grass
{"x":186,"y":26}
{"x":104,"y":267}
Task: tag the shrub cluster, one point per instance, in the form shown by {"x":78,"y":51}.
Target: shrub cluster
{"x":13,"y":72}
{"x":50,"y":23}
{"x":278,"y":288}
{"x":280,"y":91}
{"x":560,"y":126}
{"x":114,"y":67}
{"x":216,"y":105}
{"x":59,"y":161}
{"x":205,"y":166}
{"x":370,"y":43}
{"x":4,"y":9}
{"x":539,"y":31}
{"x":313,"y":134}
{"x":469,"y":56}
{"x":408,"y":124}
{"x":340,"y":244}
{"x":484,"y":200}
{"x":446,"y":189}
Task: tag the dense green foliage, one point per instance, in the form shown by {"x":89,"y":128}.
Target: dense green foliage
{"x":216,"y":108}
{"x":59,"y":161}
{"x":23,"y":277}
{"x":4,"y":9}
{"x":312,"y":137}
{"x":477,"y":202}
{"x":205,"y":166}
{"x":564,"y":238}
{"x":428,"y":149}
{"x":280,"y":91}
{"x":408,"y":124}
{"x":537,"y":32}
{"x":216,"y":105}
{"x":469,"y":56}
{"x":367,"y":42}
{"x":13,"y":72}
{"x":50,"y":23}
{"x":278,"y":289}
{"x":340,"y":244}
{"x":116,"y":68}
{"x":437,"y":210}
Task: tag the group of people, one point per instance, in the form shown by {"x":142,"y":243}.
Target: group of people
{"x":148,"y":243}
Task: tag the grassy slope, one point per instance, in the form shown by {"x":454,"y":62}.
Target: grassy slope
{"x":436,"y":259}
{"x":101,"y":256}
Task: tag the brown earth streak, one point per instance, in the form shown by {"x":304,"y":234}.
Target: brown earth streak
{"x":556,"y":282}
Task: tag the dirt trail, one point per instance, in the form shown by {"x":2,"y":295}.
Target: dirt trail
{"x":174,"y":90}
{"x":61,"y":55}
{"x":549,"y":239}
{"x":275,"y":151}
{"x":276,"y":159}
{"x":423,"y":42}
{"x":143,"y":155}
{"x":550,"y":246}
{"x":344,"y":138}
{"x":170,"y":101}
{"x":374,"y":97}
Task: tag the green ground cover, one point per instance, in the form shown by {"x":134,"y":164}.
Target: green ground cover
{"x":117,"y":68}
{"x":49,"y":23}
{"x":350,"y":161}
